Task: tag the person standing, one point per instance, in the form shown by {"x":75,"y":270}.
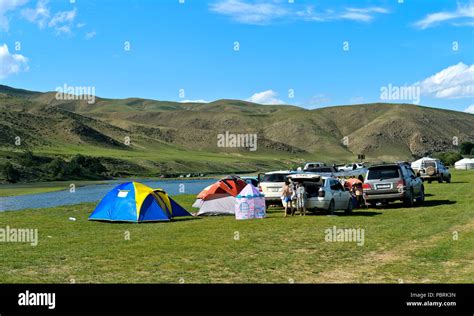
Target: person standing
{"x":301,"y":199}
{"x":286,"y":196}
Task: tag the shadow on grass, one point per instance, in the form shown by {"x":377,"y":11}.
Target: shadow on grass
{"x":426,"y":203}
{"x":430,"y":203}
{"x":359,"y":213}
{"x":452,"y":182}
{"x":180,"y":219}
{"x":355,"y":212}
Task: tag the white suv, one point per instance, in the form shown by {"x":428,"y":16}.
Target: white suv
{"x":351,"y":166}
{"x":271,"y":185}
{"x":312,"y":165}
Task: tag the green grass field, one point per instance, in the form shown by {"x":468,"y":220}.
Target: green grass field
{"x":401,"y":245}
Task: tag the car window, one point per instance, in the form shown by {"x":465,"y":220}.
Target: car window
{"x":406,"y":171}
{"x":336,"y":185}
{"x":386,"y":172}
{"x":276,"y":177}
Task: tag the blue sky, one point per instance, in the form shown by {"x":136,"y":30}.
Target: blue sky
{"x":308,"y":53}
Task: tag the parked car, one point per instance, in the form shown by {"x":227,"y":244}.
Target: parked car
{"x":328,"y":170}
{"x":324,"y":193}
{"x":271,"y":185}
{"x":393,"y":182}
{"x":252,"y":180}
{"x":430,"y":169}
{"x":351,"y":166}
{"x":312,"y":165}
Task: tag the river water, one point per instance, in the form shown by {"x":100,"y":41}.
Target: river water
{"x":95,"y":192}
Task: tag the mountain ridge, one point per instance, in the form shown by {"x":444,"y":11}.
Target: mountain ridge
{"x":163,"y":132}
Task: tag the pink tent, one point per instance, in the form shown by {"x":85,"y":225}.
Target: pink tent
{"x":249,"y":203}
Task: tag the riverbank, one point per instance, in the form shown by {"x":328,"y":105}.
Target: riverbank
{"x":18,"y":189}
{"x":426,"y":244}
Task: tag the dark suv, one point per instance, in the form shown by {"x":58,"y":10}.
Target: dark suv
{"x":393,"y":182}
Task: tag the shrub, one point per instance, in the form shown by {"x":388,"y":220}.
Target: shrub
{"x":466,"y":148}
{"x":449,"y":158}
{"x":11,"y":173}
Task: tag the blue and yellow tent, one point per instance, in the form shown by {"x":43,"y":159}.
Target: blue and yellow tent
{"x":136,"y":202}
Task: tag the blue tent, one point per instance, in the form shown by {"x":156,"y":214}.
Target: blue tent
{"x":136,"y":202}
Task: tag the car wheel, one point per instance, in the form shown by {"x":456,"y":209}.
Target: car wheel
{"x":429,"y":181}
{"x":331,"y":207}
{"x":448,"y":180}
{"x":421,"y":199}
{"x":349,"y":207}
{"x":408,"y":201}
{"x":440,"y":179}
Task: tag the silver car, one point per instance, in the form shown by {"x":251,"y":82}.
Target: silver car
{"x":393,"y":182}
{"x":324,"y":193}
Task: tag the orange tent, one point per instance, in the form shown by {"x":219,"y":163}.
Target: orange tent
{"x":219,"y":198}
{"x":228,"y":186}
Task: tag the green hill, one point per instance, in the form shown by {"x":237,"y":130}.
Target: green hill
{"x":172,"y":137}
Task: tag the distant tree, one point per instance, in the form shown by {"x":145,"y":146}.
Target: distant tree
{"x":27,"y":158}
{"x":449,"y":158}
{"x":90,"y":166}
{"x":78,"y":159}
{"x":95,"y":166}
{"x":466,"y":148}
{"x":472,"y":152}
{"x":11,"y":173}
{"x":74,"y":168}
{"x":57,"y":167}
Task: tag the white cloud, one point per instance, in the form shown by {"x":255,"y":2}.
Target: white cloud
{"x":11,"y":63}
{"x":90,"y":35}
{"x":356,"y":100}
{"x":461,"y":16}
{"x":362,"y":14}
{"x":265,"y":97}
{"x":62,"y":21}
{"x":249,"y":13}
{"x":63,"y":17}
{"x":453,"y":82}
{"x":470,"y":109}
{"x":261,"y":13}
{"x":38,"y":15}
{"x":318,"y":100}
{"x":5,"y":6}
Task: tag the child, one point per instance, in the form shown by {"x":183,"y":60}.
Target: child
{"x":301,"y":199}
{"x":359,"y":194}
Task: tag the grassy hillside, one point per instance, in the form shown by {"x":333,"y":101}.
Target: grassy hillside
{"x":416,"y":245}
{"x":171,"y":137}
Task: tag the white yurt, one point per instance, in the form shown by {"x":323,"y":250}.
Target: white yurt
{"x":464,"y":164}
{"x":421,"y":163}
